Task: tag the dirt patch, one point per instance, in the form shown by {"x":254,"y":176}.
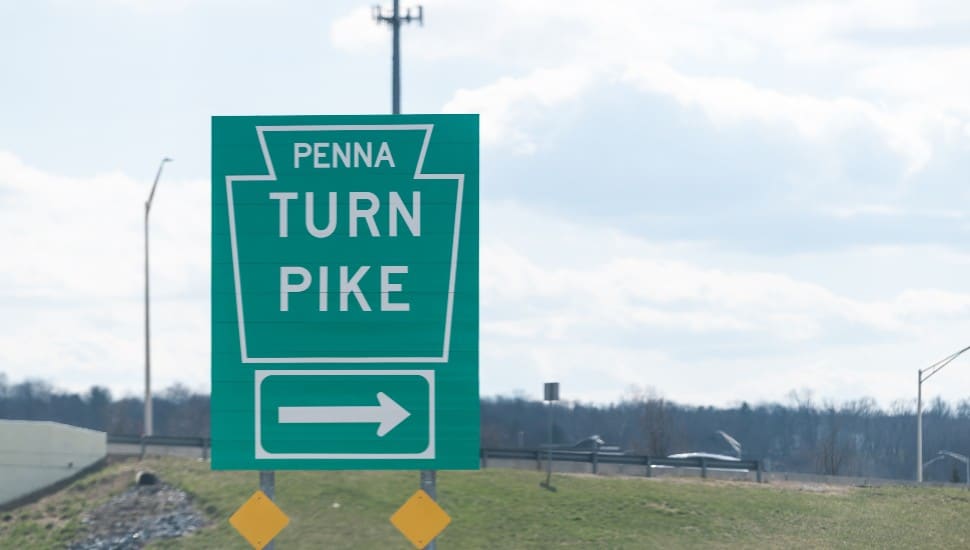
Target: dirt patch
{"x":140,"y":514}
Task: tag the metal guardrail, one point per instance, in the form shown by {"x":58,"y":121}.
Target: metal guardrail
{"x":597,"y":458}
{"x":201,"y":443}
{"x":163,"y":440}
{"x":485,"y":454}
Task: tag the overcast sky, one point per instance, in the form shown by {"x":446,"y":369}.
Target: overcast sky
{"x":724,"y":201}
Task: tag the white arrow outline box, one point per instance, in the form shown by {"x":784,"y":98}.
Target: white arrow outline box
{"x":428,"y":453}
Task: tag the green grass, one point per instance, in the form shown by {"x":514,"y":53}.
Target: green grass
{"x":54,"y":521}
{"x":507,"y":508}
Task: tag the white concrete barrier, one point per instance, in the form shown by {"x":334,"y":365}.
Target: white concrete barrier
{"x":37,"y":454}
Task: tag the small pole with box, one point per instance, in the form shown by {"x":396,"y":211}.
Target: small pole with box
{"x":551,"y":395}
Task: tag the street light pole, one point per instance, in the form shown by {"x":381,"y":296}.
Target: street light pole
{"x":919,"y":427}
{"x":922,"y":376}
{"x":148,"y":428}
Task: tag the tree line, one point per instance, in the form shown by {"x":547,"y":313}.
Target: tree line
{"x":801,"y":434}
{"x":177,"y":410}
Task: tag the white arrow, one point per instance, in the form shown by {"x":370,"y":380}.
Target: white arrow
{"x":387,"y":413}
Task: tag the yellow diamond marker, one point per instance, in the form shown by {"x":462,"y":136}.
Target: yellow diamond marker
{"x":420,"y":519}
{"x":259,"y":520}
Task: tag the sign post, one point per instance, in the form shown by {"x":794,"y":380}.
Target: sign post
{"x":345,"y":292}
{"x":267,"y":484}
{"x":550,"y":396}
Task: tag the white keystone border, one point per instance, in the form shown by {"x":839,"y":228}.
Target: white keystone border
{"x":271,"y":176}
{"x":428,"y":453}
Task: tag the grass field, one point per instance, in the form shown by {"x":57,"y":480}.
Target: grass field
{"x":507,"y":508}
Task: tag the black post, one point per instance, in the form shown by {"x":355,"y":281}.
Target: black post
{"x":549,"y":455}
{"x":429,"y":483}
{"x":396,"y":60}
{"x":550,"y":395}
{"x":394,"y":20}
{"x":267,"y":484}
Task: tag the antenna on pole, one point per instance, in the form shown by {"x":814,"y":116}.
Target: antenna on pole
{"x":394,"y":20}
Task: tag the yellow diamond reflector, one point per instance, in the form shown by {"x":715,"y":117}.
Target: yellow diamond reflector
{"x":420,"y":519}
{"x":259,"y":520}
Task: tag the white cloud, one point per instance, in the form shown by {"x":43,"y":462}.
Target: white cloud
{"x":887,"y":210}
{"x":605,"y":310}
{"x":74,"y":275}
{"x":357,"y":31}
{"x":634,"y":293}
{"x":597,"y":306}
{"x":847,"y":212}
{"x":154,"y":7}
{"x":511,"y":105}
{"x":591,"y":306}
{"x":797,"y":66}
{"x":732,"y":100}
{"x":931,"y":84}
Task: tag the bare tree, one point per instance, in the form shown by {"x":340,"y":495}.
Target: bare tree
{"x":655,"y":420}
{"x":833,"y":450}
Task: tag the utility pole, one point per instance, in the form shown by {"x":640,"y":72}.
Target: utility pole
{"x":429,"y":478}
{"x":395,"y":20}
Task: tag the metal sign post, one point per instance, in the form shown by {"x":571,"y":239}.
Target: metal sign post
{"x":267,"y":484}
{"x":551,"y":395}
{"x":429,"y":483}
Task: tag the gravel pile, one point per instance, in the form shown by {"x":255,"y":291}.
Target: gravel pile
{"x":140,"y":514}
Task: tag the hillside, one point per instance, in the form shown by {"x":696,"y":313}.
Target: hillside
{"x":507,"y":508}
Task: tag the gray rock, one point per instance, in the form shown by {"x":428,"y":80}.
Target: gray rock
{"x":139,"y":515}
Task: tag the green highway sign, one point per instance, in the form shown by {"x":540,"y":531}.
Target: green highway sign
{"x":345,"y":292}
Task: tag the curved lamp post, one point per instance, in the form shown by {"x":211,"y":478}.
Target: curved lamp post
{"x":731,"y":441}
{"x":932,"y":460}
{"x":924,"y":375}
{"x":148,"y":428}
